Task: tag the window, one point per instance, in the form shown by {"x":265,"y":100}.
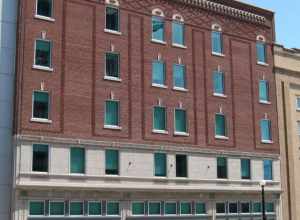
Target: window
{"x":185,"y":208}
{"x":112,"y":19}
{"x":40,"y":105}
{"x":179,"y":78}
{"x":158,"y":73}
{"x":154,"y":208}
{"x":261,"y":52}
{"x":138,"y":208}
{"x":36,"y":208}
{"x":112,"y":113}
{"x":40,"y":158}
{"x":222,"y":168}
{"x":232,"y":208}
{"x":178,"y":33}
{"x":77,"y":160}
{"x":158,"y":29}
{"x":298,"y":128}
{"x":245,"y":207}
{"x":218,"y":78}
{"x":200,"y":208}
{"x":270,"y":207}
{"x":268,"y":170}
{"x":181,"y":165}
{"x":43,"y":53}
{"x":170,"y":208}
{"x":159,"y":118}
{"x":160,"y":161}
{"x":94,"y":208}
{"x":44,"y":8}
{"x":265,"y":129}
{"x":298,"y":103}
{"x":112,"y":65}
{"x":180,"y":121}
{"x":263,"y":91}
{"x":113,"y":209}
{"x":220,"y":125}
{"x":76,"y":208}
{"x":246,"y":169}
{"x":220,"y":208}
{"x":112,"y":162}
{"x":217,"y":42}
{"x":256,"y":207}
{"x":56,"y":208}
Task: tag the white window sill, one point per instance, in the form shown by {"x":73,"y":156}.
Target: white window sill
{"x":45,"y":18}
{"x":267,"y":142}
{"x":41,"y":120}
{"x":264,"y":102}
{"x":176,"y":133}
{"x":159,"y":86}
{"x":37,"y":173}
{"x":112,"y":32}
{"x":179,"y":46}
{"x":158,"y":42}
{"x":180,"y":89}
{"x":218,"y":54}
{"x":77,"y":174}
{"x":262,"y":63}
{"x":220,"y":95}
{"x":160,"y":131}
{"x":44,"y":68}
{"x":111,"y":78}
{"x":112,"y":127}
{"x":221,"y":137}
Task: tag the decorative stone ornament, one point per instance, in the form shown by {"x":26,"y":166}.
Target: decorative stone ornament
{"x":44,"y":35}
{"x":158,"y":12}
{"x":112,"y":2}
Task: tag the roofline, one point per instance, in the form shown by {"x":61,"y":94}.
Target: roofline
{"x":255,"y":6}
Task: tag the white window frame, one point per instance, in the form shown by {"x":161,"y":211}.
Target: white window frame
{"x":137,"y":201}
{"x":170,"y":202}
{"x":49,"y":158}
{"x":252,"y":211}
{"x":297,"y":97}
{"x":179,"y":133}
{"x":184,"y":201}
{"x":270,"y":131}
{"x":113,"y":127}
{"x":158,"y":13}
{"x":221,"y":137}
{"x":222,"y":95}
{"x":115,"y":6}
{"x":160,"y":205}
{"x":245,"y":202}
{"x":41,"y":120}
{"x":88,"y":208}
{"x":57,"y":201}
{"x":163,"y":86}
{"x":262,"y":39}
{"x":42,"y":17}
{"x":28,"y":206}
{"x":177,"y":18}
{"x":202,"y":202}
{"x":76,"y":201}
{"x":119,"y":163}
{"x":39,"y":67}
{"x":112,"y":78}
{"x":185,"y":78}
{"x":85,"y":161}
{"x":219,"y":202}
{"x":160,"y":152}
{"x":217,"y":28}
{"x":156,"y":131}
{"x":237,"y":207}
{"x":274,"y":205}
{"x":268,"y":93}
{"x":112,"y":201}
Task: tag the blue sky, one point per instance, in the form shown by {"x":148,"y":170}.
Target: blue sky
{"x":287,"y":14}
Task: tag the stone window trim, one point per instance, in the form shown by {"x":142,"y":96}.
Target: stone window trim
{"x":42,"y":17}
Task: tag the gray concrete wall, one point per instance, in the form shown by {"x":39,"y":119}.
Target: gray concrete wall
{"x":8,"y":20}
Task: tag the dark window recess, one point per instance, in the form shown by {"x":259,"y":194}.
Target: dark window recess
{"x":43,"y":53}
{"x":222,"y":167}
{"x":112,"y":162}
{"x":44,"y":8}
{"x":181,"y":166}
{"x":112,"y":19}
{"x":40,"y":158}
{"x":112,"y":65}
{"x":41,"y":105}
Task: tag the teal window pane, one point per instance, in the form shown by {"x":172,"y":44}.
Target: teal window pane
{"x":40,"y":158}
{"x":261,"y":52}
{"x":170,"y":208}
{"x":298,"y":103}
{"x":245,"y":207}
{"x":200,"y":208}
{"x":94,"y":208}
{"x":44,"y":8}
{"x":179,"y":76}
{"x":77,"y":160}
{"x":57,"y":208}
{"x":245,"y":168}
{"x":218,"y":78}
{"x":270,"y":207}
{"x":113,"y":208}
{"x":263,"y":90}
{"x":43,"y":53}
{"x":256,"y":207}
{"x":220,"y":125}
{"x":138,"y":208}
{"x":158,"y":73}
{"x":220,"y":208}
{"x":222,"y":167}
{"x":265,"y":128}
{"x":159,"y":118}
{"x":268,"y":169}
{"x":112,"y":113}
{"x":41,"y":105}
{"x":185,"y":208}
{"x":181,"y":165}
{"x":160,"y":160}
{"x":112,"y":162}
{"x":180,"y":121}
{"x":158,"y":29}
{"x":112,"y":65}
{"x":178,"y":33}
{"x":112,"y":19}
{"x":76,"y":208}
{"x":37,"y":208}
{"x":233,"y":208}
{"x":154,"y":208}
{"x":217,"y":46}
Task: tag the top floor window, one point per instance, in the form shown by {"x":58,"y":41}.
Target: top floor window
{"x":217,"y":39}
{"x":261,"y":53}
{"x":44,"y":8}
{"x":158,"y":26}
{"x":112,"y":18}
{"x":178,"y":30}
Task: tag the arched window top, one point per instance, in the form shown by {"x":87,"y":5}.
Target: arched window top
{"x":216,"y":27}
{"x":178,"y":17}
{"x":158,"y":12}
{"x":261,"y":38}
{"x":113,"y":2}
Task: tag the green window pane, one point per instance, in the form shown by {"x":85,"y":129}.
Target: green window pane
{"x":218,"y":78}
{"x":200,"y":208}
{"x":270,"y":207}
{"x":44,"y":8}
{"x":170,"y":208}
{"x":158,"y":73}
{"x":77,"y":160}
{"x":112,"y":19}
{"x":217,"y":46}
{"x":41,"y":105}
{"x":43,"y":53}
{"x":185,"y":208}
{"x":220,"y":208}
{"x":256,"y":207}
{"x":113,"y":208}
{"x":94,"y":208}
{"x":159,"y":118}
{"x":138,"y":208}
{"x":154,"y":208}
{"x":158,"y":29}
{"x":181,"y":166}
{"x":179,"y":76}
{"x":180,"y":121}
{"x":112,"y":65}
{"x":160,"y":160}
{"x":37,"y":208}
{"x":112,"y":162}
{"x":222,"y":167}
{"x":220,"y":125}
{"x":76,"y":208}
{"x":57,"y":208}
{"x":263,"y":90}
{"x":246,"y":168}
{"x":265,"y":128}
{"x":40,"y":158}
{"x":112,"y":113}
{"x":261,"y":52}
{"x":268,"y":169}
{"x":178,"y":33}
